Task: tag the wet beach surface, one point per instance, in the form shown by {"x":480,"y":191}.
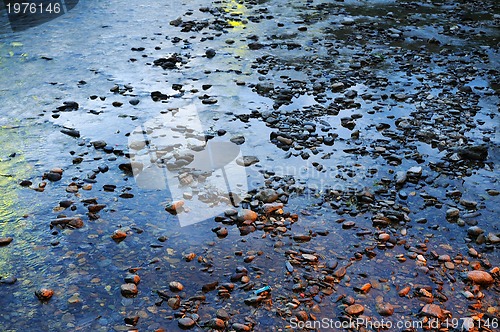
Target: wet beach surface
{"x":371,"y":131}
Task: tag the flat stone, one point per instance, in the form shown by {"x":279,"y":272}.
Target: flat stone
{"x":301,"y":237}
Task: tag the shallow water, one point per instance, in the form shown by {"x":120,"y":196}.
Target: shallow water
{"x":90,"y":50}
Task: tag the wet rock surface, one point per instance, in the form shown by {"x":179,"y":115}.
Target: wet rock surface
{"x":367,"y":131}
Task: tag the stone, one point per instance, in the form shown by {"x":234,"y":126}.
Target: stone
{"x":174,"y":207}
{"x":415,"y":171}
{"x":186,"y":323}
{"x":210,"y":53}
{"x":385,"y":309}
{"x":302,"y":237}
{"x":475,"y":231}
{"x":132,"y":320}
{"x":72,"y":222}
{"x":247,"y":160}
{"x":238,"y":140}
{"x":480,"y":277}
{"x":71,"y":132}
{"x":118,"y":235}
{"x":492,"y":238}
{"x":452,"y":213}
{"x":4,"y":241}
{"x":269,"y":208}
{"x":175,"y":286}
{"x":8,"y":280}
{"x":477,"y":152}
{"x":404,"y":291}
{"x":44,"y":294}
{"x":400,"y":178}
{"x":302,"y":315}
{"x":310,"y":258}
{"x":174,"y":302}
{"x":240,"y":327}
{"x":217,"y":324}
{"x":432,"y":310}
{"x":132,"y":278}
{"x":129,"y":290}
{"x":468,"y":203}
{"x":355,"y":309}
{"x":247,"y":214}
{"x":267,"y":195}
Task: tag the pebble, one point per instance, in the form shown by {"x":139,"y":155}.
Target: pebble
{"x":240,"y":327}
{"x":247,"y":160}
{"x":4,"y":241}
{"x":186,"y":323}
{"x":8,"y":280}
{"x":404,"y":291}
{"x":302,"y":237}
{"x":174,"y":207}
{"x":129,"y":290}
{"x":174,"y":302}
{"x":452,"y":213}
{"x":474,"y":231}
{"x":492,"y":238}
{"x":432,"y":310}
{"x":385,"y":309}
{"x":132,"y":278}
{"x":480,"y":277}
{"x":72,"y":222}
{"x":44,"y":294}
{"x":175,"y":286}
{"x":355,"y":309}
{"x":217,"y":324}
{"x":267,"y":195}
{"x":247,"y":214}
{"x":269,"y":208}
{"x":210,"y":53}
{"x":118,"y":235}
